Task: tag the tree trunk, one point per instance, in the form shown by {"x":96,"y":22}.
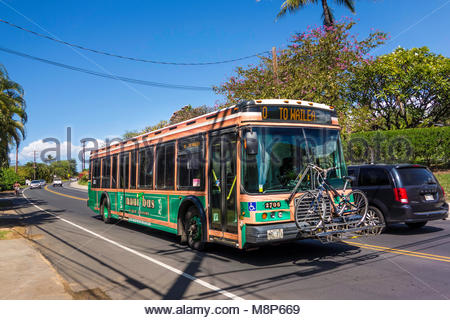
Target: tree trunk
{"x":17,"y":157}
{"x":328,"y":19}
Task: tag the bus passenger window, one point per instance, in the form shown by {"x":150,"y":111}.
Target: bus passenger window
{"x":114,"y":172}
{"x":145,"y":176}
{"x":106,"y":167}
{"x":96,"y":173}
{"x":191,"y":164}
{"x":165,"y":166}
{"x":124,"y":166}
{"x":133,"y":170}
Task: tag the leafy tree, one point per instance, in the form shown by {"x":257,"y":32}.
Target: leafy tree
{"x":188,"y":112}
{"x":317,"y":66}
{"x":63,"y":168}
{"x":185,"y":113}
{"x":131,"y":134}
{"x":12,"y":115}
{"x":403,"y":89}
{"x":8,"y":177}
{"x":25,"y":172}
{"x":327,"y":14}
{"x":159,"y":125}
{"x":42,"y":171}
{"x":49,"y":159}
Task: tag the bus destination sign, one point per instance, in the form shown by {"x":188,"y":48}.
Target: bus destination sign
{"x":296,"y":114}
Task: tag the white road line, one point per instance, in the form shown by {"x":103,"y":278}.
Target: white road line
{"x":157,"y":262}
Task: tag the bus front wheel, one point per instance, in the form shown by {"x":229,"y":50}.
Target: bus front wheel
{"x":194,"y":229}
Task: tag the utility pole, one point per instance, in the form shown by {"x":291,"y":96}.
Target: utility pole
{"x":17,"y":156}
{"x":275,"y":65}
{"x":34,"y":165}
{"x":82,"y":160}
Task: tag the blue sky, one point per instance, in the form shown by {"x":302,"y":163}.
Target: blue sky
{"x":180,"y":31}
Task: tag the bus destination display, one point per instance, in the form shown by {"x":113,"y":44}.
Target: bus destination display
{"x":296,"y":114}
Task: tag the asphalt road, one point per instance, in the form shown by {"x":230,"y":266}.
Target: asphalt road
{"x":126,"y":261}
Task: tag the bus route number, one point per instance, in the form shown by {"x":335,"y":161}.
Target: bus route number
{"x":272,"y":204}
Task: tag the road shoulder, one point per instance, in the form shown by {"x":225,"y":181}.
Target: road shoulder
{"x":24,"y":272}
{"x":75,"y":185}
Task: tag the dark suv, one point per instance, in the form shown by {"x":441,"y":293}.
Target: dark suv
{"x":401,"y":193}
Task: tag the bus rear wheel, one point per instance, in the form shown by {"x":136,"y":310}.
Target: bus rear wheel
{"x":194,"y":229}
{"x":104,"y":212}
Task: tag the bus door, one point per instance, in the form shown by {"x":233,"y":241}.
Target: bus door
{"x":222,"y":187}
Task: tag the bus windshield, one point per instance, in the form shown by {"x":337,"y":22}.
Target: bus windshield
{"x":283,"y":153}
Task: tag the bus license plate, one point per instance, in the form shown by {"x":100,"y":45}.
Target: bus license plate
{"x":274,"y":234}
{"x":429,"y":197}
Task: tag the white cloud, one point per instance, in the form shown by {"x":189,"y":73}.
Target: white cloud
{"x":57,"y":149}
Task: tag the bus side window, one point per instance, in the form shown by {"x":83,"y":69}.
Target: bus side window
{"x":191,"y":164}
{"x":124,"y":166}
{"x":114,"y":172}
{"x":133,"y":169}
{"x":90,"y":170}
{"x":96,"y":173}
{"x":145,"y":175}
{"x":106,"y":172}
{"x":165,"y":166}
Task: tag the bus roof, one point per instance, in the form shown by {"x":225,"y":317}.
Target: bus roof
{"x":244,"y":106}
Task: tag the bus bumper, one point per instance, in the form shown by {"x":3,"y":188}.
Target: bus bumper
{"x":257,"y":234}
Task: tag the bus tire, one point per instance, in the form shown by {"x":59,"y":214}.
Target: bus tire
{"x":194,"y":228}
{"x":104,"y":212}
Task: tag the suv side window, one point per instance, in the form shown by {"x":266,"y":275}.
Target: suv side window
{"x":351,"y":172}
{"x":373,"y":177}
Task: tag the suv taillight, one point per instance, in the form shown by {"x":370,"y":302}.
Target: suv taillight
{"x":443,"y":192}
{"x":401,"y":195}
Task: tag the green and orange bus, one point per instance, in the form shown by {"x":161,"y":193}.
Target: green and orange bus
{"x":222,"y":177}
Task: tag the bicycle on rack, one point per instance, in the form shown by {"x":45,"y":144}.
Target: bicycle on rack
{"x":324,"y":206}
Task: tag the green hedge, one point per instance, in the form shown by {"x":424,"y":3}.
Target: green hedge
{"x":427,"y":146}
{"x":8,"y":177}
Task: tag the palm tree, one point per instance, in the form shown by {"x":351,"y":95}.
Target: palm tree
{"x":12,"y":115}
{"x":328,"y":19}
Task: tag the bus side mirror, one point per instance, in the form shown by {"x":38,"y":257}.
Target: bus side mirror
{"x":251,"y":143}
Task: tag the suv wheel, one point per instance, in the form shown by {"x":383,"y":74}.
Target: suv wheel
{"x":375,"y":217}
{"x":416,"y":225}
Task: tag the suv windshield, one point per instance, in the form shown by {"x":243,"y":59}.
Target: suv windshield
{"x":283,"y":153}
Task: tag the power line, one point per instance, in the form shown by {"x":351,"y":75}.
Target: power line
{"x":109,"y":76}
{"x":131,"y":58}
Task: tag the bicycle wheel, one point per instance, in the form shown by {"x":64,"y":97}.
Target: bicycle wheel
{"x":311,"y":210}
{"x":353,"y":208}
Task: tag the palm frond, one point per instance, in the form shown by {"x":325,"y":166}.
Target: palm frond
{"x":293,"y":5}
{"x":350,"y":4}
